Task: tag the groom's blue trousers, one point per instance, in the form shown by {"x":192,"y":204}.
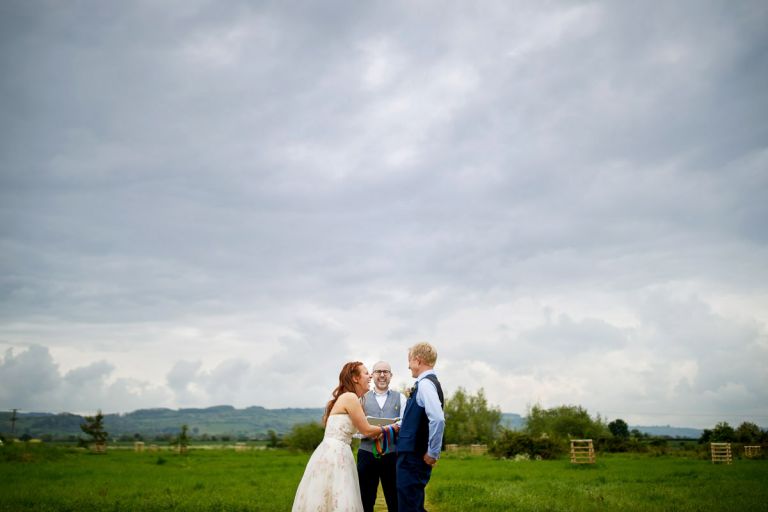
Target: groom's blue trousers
{"x":412,"y":477}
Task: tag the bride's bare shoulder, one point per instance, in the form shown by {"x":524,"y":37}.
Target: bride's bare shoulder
{"x":348,"y":396}
{"x":344,"y":402}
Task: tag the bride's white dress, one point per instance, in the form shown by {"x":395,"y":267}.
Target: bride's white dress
{"x":330,"y":480}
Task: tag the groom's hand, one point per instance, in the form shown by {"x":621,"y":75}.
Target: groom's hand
{"x":429,"y":460}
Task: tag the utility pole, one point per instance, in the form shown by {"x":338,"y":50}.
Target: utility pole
{"x":13,"y":421}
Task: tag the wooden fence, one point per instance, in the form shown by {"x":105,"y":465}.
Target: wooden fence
{"x":721,"y":452}
{"x":582,"y":451}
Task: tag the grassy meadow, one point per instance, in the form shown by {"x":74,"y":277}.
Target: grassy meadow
{"x":44,"y":478}
{"x":616,"y":482}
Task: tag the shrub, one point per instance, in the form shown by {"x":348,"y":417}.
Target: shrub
{"x":305,"y":436}
{"x":620,"y":445}
{"x":510,"y":444}
{"x":274,"y":440}
{"x":658,"y":445}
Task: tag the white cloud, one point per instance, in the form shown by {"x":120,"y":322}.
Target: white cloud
{"x":32,"y":381}
{"x":205,"y":204}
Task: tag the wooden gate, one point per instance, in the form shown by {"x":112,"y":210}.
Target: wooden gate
{"x":582,"y":451}
{"x":721,"y":452}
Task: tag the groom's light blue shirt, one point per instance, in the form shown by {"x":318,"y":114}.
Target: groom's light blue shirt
{"x":427,"y":397}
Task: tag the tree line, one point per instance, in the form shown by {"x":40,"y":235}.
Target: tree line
{"x":546,"y":434}
{"x":470,"y":419}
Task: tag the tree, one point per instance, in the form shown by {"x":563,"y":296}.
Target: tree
{"x":94,"y":427}
{"x":723,"y":433}
{"x":273,"y":440}
{"x":619,"y":429}
{"x":469,"y":419}
{"x":182,"y":440}
{"x":564,"y":422}
{"x":748,"y":432}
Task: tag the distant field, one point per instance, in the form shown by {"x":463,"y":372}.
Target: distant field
{"x":54,"y":479}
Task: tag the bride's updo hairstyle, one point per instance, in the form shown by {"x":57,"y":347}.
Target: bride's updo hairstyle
{"x":346,"y":384}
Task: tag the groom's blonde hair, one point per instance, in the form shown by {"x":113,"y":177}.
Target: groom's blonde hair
{"x":425,"y":352}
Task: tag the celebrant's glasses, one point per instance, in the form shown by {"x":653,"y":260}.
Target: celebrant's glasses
{"x":382,"y":372}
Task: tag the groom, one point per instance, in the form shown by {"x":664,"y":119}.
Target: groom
{"x":421,"y":431}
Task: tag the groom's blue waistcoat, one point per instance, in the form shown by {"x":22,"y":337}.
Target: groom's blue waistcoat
{"x":414,"y":430}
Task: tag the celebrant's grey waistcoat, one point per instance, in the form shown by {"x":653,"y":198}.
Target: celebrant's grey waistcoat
{"x":391,"y":409}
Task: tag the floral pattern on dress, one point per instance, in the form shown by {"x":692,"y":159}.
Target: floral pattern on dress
{"x":330,"y":481}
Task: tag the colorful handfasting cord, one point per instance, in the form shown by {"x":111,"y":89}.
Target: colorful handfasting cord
{"x":386,"y":443}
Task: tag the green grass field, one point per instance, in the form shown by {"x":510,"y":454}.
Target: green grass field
{"x":54,"y":479}
{"x":616,"y":482}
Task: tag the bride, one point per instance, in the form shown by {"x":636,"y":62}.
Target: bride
{"x":330,"y":480}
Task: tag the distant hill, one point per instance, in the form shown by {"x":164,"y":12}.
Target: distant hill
{"x":516,"y":422}
{"x":667,"y":431}
{"x":512,"y":421}
{"x":218,"y":420}
{"x":222,"y":420}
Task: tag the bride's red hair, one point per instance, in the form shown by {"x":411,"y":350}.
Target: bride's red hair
{"x":346,"y":384}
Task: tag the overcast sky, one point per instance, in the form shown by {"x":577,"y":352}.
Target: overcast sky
{"x":208,"y":203}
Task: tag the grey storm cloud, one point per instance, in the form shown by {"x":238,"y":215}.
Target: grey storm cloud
{"x":32,"y":381}
{"x":198,"y":200}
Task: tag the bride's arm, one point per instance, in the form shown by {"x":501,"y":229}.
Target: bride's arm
{"x":357,"y":415}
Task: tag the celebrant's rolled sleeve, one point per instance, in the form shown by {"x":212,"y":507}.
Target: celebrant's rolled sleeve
{"x":427,"y":397}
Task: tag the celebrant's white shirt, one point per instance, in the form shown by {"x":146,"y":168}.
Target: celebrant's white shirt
{"x":381,"y":399}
